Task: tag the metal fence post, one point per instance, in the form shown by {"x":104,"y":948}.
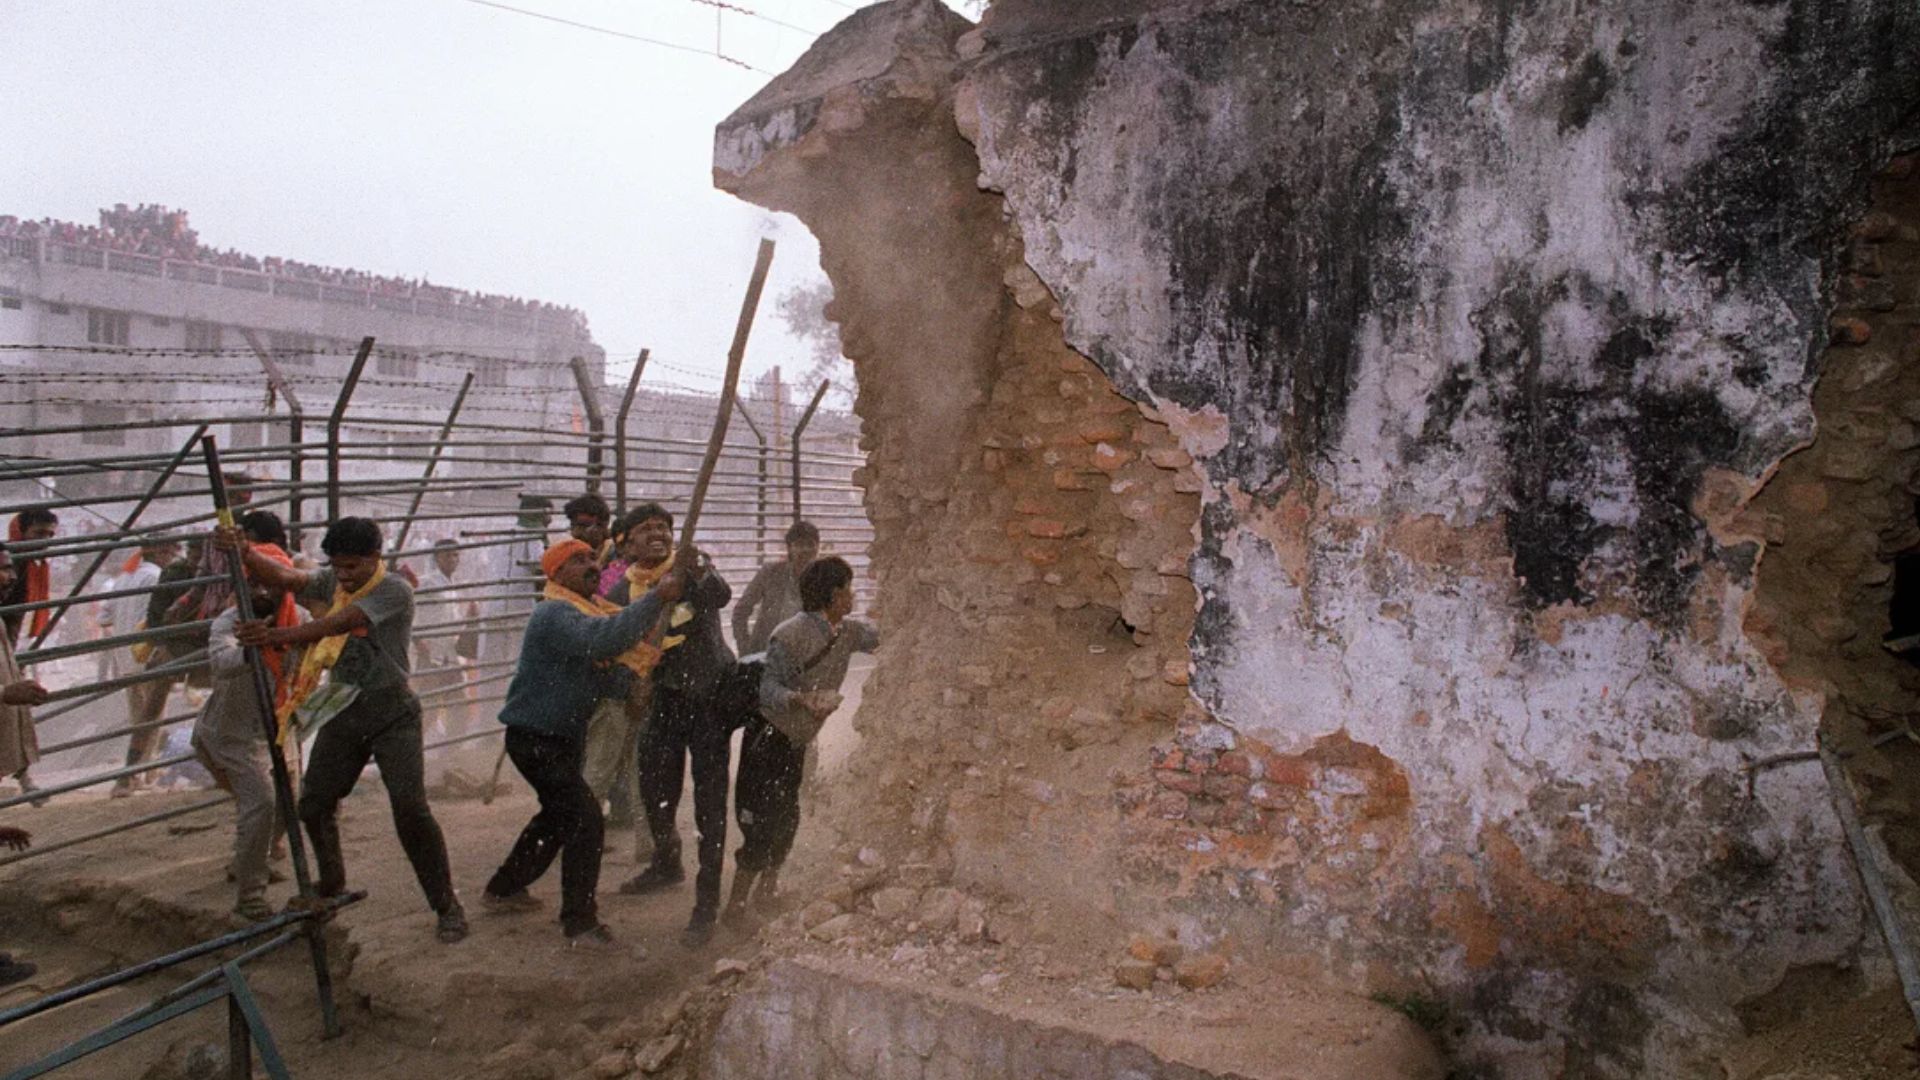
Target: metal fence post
{"x":296,"y":432}
{"x":793,"y":447}
{"x":760,"y":489}
{"x":433,"y":461}
{"x":146,"y":500}
{"x":333,"y":426}
{"x":620,"y":436}
{"x":596,"y":423}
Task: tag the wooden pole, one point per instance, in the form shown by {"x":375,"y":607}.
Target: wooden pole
{"x":729,"y":390}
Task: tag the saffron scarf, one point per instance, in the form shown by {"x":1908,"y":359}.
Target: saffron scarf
{"x":639,"y":659}
{"x":323,"y":654}
{"x":39,"y":578}
{"x":642,"y":578}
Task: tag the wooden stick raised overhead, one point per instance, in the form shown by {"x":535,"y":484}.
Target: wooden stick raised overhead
{"x":728,"y":391}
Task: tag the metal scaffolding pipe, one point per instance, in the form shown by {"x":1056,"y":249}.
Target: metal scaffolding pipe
{"x":596,"y":422}
{"x":333,"y":426}
{"x":93,"y":645}
{"x":126,"y":525}
{"x":111,"y":594}
{"x":114,"y":830}
{"x":433,"y":462}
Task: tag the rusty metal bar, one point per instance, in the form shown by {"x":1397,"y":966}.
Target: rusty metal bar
{"x":110,"y":594}
{"x":263,"y":699}
{"x":793,"y":446}
{"x":333,"y":425}
{"x":1867,"y":859}
{"x":596,"y":423}
{"x":126,"y":526}
{"x":620,"y":435}
{"x":729,"y":391}
{"x":433,"y":462}
{"x":759,"y":488}
{"x":114,"y":830}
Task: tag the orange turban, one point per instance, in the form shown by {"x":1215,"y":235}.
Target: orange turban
{"x":558,"y":554}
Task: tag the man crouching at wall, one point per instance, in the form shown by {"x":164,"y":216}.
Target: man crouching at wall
{"x":578,"y":650}
{"x":807,"y":659}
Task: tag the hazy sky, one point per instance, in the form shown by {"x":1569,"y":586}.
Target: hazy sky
{"x":485,"y":149}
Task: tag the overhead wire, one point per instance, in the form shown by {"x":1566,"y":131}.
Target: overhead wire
{"x":609,"y":31}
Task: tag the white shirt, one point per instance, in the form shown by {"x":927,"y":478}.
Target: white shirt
{"x":124,"y":615}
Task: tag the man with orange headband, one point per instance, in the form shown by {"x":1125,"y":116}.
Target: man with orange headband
{"x":31,"y":578}
{"x":229,"y":737}
{"x":578,"y":650}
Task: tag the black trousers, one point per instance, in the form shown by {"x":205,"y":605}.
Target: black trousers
{"x":680,"y":728}
{"x":386,"y":729}
{"x":568,"y":825}
{"x":766,"y":796}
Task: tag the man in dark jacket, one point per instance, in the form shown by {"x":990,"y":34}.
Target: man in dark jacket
{"x":686,"y":721}
{"x":577,"y":650}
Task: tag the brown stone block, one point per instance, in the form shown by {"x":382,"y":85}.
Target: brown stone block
{"x":1030,"y":504}
{"x":1183,"y":782}
{"x":1054,"y":529}
{"x":1201,"y":971}
{"x":1225,"y":787}
{"x":1071,"y":480}
{"x":1134,"y":974}
{"x":1109,"y":458}
{"x":1040,"y":556}
{"x":1237,"y":763}
{"x":1169,"y":457}
{"x":1877,"y":226}
{"x":1847,"y":330}
{"x":1102,"y":431}
{"x":1171,"y":805}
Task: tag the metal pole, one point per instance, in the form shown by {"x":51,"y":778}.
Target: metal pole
{"x":333,"y":428}
{"x":760,"y":489}
{"x":596,"y":422}
{"x":1866,"y":858}
{"x":620,"y":436}
{"x":296,"y":430}
{"x":140,"y":507}
{"x":433,"y":461}
{"x":793,"y":447}
{"x":269,"y":726}
{"x":729,"y":390}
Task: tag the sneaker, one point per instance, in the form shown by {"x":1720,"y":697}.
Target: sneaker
{"x":657,"y":877}
{"x":515,"y":903}
{"x":597,"y":939}
{"x":452,"y":926}
{"x":253,"y":909}
{"x":13,"y":971}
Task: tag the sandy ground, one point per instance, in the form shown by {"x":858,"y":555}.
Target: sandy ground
{"x":407,"y":1001}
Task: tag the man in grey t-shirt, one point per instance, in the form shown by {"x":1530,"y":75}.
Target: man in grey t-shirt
{"x":383,"y":721}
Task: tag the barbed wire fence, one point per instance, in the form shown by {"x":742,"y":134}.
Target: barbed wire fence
{"x":487,"y":476}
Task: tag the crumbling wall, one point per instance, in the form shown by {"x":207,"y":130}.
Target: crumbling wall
{"x":1481,"y":324}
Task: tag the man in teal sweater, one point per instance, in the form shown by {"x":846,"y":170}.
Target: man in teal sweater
{"x":577,"y":650}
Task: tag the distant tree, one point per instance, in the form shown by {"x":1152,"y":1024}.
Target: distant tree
{"x":804,"y":309}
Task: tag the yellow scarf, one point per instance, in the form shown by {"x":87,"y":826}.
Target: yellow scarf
{"x":639,"y":580}
{"x":323,"y":654}
{"x":639,"y":659}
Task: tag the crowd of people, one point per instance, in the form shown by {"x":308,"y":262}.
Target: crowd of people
{"x":163,"y":233}
{"x":624,"y":679}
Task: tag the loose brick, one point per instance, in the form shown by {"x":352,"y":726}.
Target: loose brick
{"x":1102,"y":431}
{"x":1182,"y":782}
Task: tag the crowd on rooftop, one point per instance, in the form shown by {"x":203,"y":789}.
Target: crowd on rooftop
{"x":161,"y":232}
